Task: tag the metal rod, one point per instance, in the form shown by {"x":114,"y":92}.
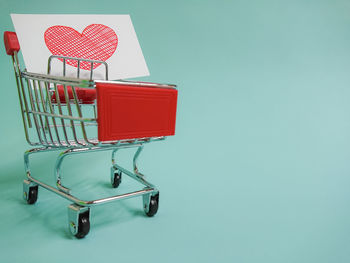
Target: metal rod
{"x":59,"y":80}
{"x":18,"y":76}
{"x":134,"y":161}
{"x":137,"y":177}
{"x":33,"y":109}
{"x":80,"y":116}
{"x":36,"y":96}
{"x":92,"y":202}
{"x":135,"y":83}
{"x":61,"y":116}
{"x":70,"y":112}
{"x":64,"y":67}
{"x":78,"y":69}
{"x":52,"y":112}
{"x":47,"y":126}
{"x":60,"y":111}
{"x":91,"y":69}
{"x":20,"y":95}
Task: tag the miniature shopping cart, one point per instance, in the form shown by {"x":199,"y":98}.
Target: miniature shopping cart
{"x":85,"y":115}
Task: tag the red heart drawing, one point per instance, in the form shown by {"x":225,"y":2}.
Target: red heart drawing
{"x":96,"y":42}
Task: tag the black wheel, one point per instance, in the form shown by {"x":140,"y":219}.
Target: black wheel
{"x":83,"y":225}
{"x":32,"y":195}
{"x":153,"y":205}
{"x":117,"y":178}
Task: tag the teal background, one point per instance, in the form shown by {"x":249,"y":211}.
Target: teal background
{"x":259,"y":168}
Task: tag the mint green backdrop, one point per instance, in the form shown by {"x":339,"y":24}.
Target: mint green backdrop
{"x":259,"y":168}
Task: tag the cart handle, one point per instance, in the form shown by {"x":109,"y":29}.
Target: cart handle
{"x":11,"y":42}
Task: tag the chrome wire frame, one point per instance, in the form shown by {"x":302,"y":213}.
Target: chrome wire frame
{"x":64,"y":126}
{"x":65,"y":192}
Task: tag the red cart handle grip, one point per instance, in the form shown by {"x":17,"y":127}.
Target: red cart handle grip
{"x":11,"y":42}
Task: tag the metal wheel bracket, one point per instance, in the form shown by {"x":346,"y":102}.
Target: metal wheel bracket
{"x":26,"y":185}
{"x":147,"y":200}
{"x":74,"y":211}
{"x":112,"y":174}
{"x":113,"y":171}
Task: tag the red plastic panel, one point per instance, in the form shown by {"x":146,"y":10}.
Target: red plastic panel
{"x":133,"y":111}
{"x":11,"y":42}
{"x":85,"y":96}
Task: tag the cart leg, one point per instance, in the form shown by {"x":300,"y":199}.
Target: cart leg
{"x":79,"y":220}
{"x":134,"y":161}
{"x":150,"y":200}
{"x":30,"y":188}
{"x":60,"y":158}
{"x":30,"y":192}
{"x":117,"y":170}
{"x":57,"y":172}
{"x":136,"y":175}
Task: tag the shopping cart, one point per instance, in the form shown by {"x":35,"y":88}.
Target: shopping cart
{"x":85,"y":115}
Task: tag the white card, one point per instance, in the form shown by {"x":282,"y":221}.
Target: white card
{"x":109,"y":38}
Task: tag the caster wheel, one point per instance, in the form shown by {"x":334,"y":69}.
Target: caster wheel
{"x":83,"y":225}
{"x":32,"y":195}
{"x":153,"y":205}
{"x":117,"y":178}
